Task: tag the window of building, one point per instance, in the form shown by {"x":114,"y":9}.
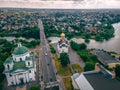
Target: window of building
{"x":8,"y":66}
{"x":20,"y":59}
{"x":12,"y":83}
{"x":28,"y":63}
{"x":10,"y":75}
{"x":29,"y":71}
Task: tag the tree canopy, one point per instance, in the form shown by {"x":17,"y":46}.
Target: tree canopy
{"x":34,"y":88}
{"x":89,"y":66}
{"x":64,"y":59}
{"x":117,"y":70}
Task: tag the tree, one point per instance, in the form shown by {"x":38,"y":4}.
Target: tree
{"x":87,"y":36}
{"x":74,"y":45}
{"x":52,"y":50}
{"x":34,"y":88}
{"x":89,"y":66}
{"x":117,"y":70}
{"x":98,"y":37}
{"x":64,"y":59}
{"x":84,"y":57}
{"x":87,"y":40}
{"x":82,"y":46}
{"x":94,"y":58}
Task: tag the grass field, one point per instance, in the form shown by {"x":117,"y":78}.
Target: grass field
{"x":63,"y":71}
{"x":77,"y":68}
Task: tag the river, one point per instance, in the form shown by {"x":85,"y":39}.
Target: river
{"x":112,"y":44}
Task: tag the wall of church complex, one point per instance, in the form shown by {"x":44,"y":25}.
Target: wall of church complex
{"x":15,"y":79}
{"x":63,"y":49}
{"x":20,"y":57}
{"x":9,"y":66}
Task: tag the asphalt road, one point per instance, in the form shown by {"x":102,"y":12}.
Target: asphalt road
{"x":48,"y":74}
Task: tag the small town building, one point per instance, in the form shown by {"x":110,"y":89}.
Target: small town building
{"x":100,"y":79}
{"x":21,"y":67}
{"x":106,"y":59}
{"x":63,"y":44}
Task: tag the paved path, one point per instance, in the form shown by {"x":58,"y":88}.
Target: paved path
{"x":73,"y":56}
{"x":75,"y":59}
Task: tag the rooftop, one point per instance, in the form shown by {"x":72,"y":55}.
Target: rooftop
{"x":100,"y":81}
{"x":62,"y":35}
{"x":20,"y":50}
{"x":105,"y":58}
{"x":8,"y":60}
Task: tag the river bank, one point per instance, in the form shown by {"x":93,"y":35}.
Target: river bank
{"x":111,"y":45}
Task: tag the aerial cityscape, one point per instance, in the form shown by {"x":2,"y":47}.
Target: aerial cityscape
{"x":60,"y":45}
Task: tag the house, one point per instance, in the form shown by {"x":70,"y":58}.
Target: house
{"x":21,"y":67}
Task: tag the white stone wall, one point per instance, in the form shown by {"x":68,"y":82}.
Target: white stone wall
{"x":23,"y":57}
{"x":30,"y":63}
{"x":9,"y":79}
{"x":10,"y":66}
{"x":32,"y":75}
{"x":74,"y":83}
{"x":15,"y":78}
{"x":63,"y":49}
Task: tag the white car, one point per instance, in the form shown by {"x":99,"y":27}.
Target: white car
{"x":46,"y":54}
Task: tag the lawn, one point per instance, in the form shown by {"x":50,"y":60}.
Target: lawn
{"x":67,"y":83}
{"x":77,"y":68}
{"x":63,"y":71}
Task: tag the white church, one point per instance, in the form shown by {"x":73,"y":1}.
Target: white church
{"x":63,"y":44}
{"x":21,"y":67}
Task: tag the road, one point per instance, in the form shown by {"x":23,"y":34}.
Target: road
{"x":48,"y":75}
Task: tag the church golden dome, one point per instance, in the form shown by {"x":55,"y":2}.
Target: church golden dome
{"x":62,"y":35}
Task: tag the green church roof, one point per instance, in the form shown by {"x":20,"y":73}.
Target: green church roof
{"x":20,"y":50}
{"x":8,"y":60}
{"x":28,"y":58}
{"x":19,"y":65}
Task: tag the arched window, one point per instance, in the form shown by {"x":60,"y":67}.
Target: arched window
{"x":28,"y":63}
{"x":10,"y":75}
{"x":8,"y":66}
{"x":20,"y":59}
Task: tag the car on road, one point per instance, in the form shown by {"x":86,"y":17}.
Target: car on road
{"x":46,"y":54}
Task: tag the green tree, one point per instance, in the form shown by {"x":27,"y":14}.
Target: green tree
{"x":74,"y":45}
{"x":64,"y":59}
{"x":87,"y":36}
{"x":52,"y":50}
{"x":87,"y":40}
{"x":34,"y":88}
{"x":98,"y":37}
{"x":117,"y":70}
{"x":84,"y":57}
{"x":94,"y":58}
{"x":89,"y":66}
{"x":82,"y":46}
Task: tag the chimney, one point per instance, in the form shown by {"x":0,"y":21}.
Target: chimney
{"x":97,"y":66}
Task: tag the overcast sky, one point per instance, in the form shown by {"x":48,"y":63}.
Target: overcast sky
{"x":62,"y":4}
